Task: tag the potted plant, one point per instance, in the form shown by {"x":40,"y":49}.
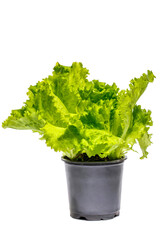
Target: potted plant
{"x":94,"y":125}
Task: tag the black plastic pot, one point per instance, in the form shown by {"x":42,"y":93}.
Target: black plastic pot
{"x":94,"y":189}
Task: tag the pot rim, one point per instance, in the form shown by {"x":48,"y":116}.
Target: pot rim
{"x":85,"y":163}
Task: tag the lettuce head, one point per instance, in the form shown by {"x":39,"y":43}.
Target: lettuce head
{"x":76,"y":116}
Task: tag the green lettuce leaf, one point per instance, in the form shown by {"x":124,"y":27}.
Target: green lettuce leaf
{"x":126,"y":101}
{"x":24,"y":119}
{"x":139,"y":129}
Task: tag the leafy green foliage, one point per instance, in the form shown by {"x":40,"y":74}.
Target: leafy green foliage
{"x":77,"y":116}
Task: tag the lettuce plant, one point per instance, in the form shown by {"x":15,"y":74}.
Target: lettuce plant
{"x":85,"y":118}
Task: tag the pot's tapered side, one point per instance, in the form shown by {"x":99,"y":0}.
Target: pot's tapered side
{"x":94,"y":189}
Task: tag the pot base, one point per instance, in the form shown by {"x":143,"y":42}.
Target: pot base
{"x":94,"y":217}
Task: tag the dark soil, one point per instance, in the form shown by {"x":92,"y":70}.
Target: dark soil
{"x":84,"y":158}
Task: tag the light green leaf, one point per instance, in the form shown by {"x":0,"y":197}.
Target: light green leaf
{"x":126,"y":102}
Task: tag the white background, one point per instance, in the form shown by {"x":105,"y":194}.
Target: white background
{"x":116,"y":41}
